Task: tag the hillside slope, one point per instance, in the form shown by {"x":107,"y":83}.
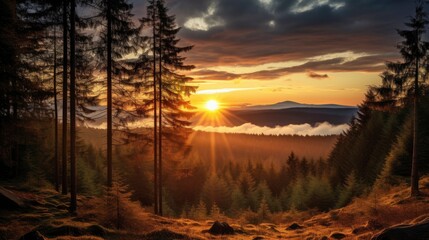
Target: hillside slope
{"x":46,"y":215}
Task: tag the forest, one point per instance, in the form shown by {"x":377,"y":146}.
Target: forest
{"x":61,"y":60}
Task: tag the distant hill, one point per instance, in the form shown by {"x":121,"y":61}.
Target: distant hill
{"x":291,"y":104}
{"x":278,"y":117}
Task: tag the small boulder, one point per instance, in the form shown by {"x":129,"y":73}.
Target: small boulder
{"x":9,"y":200}
{"x":294,"y":226}
{"x":413,"y":231}
{"x":165,"y":234}
{"x":258,"y":238}
{"x":221,"y":228}
{"x":33,"y":235}
{"x":338,"y":235}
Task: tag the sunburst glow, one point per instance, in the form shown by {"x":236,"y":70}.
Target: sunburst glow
{"x":212,"y":105}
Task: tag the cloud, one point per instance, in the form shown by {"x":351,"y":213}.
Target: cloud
{"x":204,"y":23}
{"x":223,"y":90}
{"x":306,"y":129}
{"x":335,"y":62}
{"x":261,"y":32}
{"x":146,"y":122}
{"x":308,"y":5}
{"x":316,"y":75}
{"x":321,"y":27}
{"x":214,"y":75}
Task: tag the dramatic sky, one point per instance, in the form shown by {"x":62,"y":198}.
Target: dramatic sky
{"x":266,"y":51}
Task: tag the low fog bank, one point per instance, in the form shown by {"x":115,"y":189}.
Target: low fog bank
{"x":320,"y":129}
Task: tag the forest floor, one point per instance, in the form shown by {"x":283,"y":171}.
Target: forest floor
{"x":46,"y":213}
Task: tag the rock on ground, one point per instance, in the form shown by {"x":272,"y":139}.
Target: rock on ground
{"x":219,"y":228}
{"x":411,"y":231}
{"x":33,"y":235}
{"x":294,"y":226}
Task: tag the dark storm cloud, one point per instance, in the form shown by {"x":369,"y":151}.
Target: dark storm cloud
{"x":246,"y":37}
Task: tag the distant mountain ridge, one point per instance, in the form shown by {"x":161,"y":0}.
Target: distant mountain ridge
{"x":280,"y":114}
{"x":292,"y":104}
{"x":278,"y":117}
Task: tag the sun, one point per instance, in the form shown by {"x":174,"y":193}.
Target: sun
{"x":212,"y":105}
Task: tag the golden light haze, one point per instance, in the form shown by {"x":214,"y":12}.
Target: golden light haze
{"x":346,"y":88}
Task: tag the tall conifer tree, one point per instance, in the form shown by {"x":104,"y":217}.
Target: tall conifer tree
{"x":171,"y":109}
{"x":117,"y":39}
{"x":402,"y":80}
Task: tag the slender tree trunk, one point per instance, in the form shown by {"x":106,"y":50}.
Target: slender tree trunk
{"x":14,"y":92}
{"x":117,"y":208}
{"x":14,"y":64}
{"x":73,"y":187}
{"x":64,"y":130}
{"x":109,"y":96}
{"x":160,"y":121}
{"x":57,"y":164}
{"x":155,"y":127}
{"x":414,"y":164}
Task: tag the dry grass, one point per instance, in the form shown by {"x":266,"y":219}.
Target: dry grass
{"x":389,"y":215}
{"x":367,"y":215}
{"x":78,"y":238}
{"x":13,"y":229}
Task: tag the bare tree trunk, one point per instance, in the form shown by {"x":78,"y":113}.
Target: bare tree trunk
{"x":64,"y":130}
{"x":73,"y":187}
{"x":14,"y":64}
{"x":414,"y":167}
{"x":155,"y":127}
{"x":57,"y":164}
{"x":14,"y":92}
{"x":109,"y":96}
{"x":117,"y":208}
{"x":414,"y":164}
{"x":160,"y":122}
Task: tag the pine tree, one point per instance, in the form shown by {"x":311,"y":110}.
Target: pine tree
{"x":239,"y":200}
{"x":201,"y":211}
{"x":403,"y":80}
{"x":73,"y":179}
{"x":42,"y":25}
{"x":263,"y":193}
{"x":297,"y":198}
{"x":117,"y":38}
{"x":292,"y":166}
{"x":56,"y":159}
{"x":65,"y":97}
{"x":215,"y":212}
{"x":348,"y":191}
{"x":263,"y":210}
{"x":216,"y":191}
{"x":24,"y":91}
{"x":168,"y":98}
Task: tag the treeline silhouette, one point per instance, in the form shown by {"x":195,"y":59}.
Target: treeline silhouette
{"x":244,"y":147}
{"x":235,"y":147}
